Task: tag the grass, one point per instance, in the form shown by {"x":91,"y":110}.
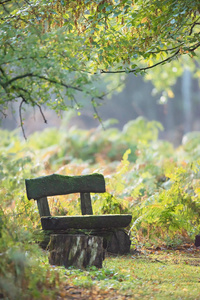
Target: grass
{"x":151,"y":274}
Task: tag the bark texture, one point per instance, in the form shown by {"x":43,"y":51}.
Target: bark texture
{"x":79,"y":251}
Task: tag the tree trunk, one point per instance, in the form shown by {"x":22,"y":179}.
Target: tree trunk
{"x":187,"y":103}
{"x":78,"y":250}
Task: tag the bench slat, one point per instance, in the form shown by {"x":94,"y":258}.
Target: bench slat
{"x":86,"y":222}
{"x":56,"y":184}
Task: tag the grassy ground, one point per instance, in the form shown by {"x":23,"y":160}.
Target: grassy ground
{"x":147,"y":274}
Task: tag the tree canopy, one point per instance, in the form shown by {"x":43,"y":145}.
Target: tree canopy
{"x":51,"y":52}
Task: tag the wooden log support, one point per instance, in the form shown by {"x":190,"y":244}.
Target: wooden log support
{"x":79,"y":250}
{"x":86,"y":205}
{"x":118,"y":242}
{"x":197,"y":240}
{"x":43,"y":207}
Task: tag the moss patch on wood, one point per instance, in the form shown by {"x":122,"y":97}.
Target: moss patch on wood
{"x":56,"y":184}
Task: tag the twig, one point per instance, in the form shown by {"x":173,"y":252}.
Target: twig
{"x":195,"y":47}
{"x":75,"y":101}
{"x":43,"y":116}
{"x":168,"y":49}
{"x":193,"y":25}
{"x":35,"y":103}
{"x":96,"y":113}
{"x":20,"y":116}
{"x":3,"y":113}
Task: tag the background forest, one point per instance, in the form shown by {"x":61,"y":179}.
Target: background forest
{"x":145,"y":176}
{"x":134,"y":97}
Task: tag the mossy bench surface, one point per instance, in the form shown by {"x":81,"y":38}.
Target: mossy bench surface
{"x":42,"y":187}
{"x":86,"y":222}
{"x":55,"y":184}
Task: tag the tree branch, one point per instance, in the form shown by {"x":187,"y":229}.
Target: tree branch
{"x":5,"y":1}
{"x":2,"y":71}
{"x":145,"y":68}
{"x":153,"y":66}
{"x":96,"y":112}
{"x":19,"y":77}
{"x":193,"y":25}
{"x":58,"y":82}
{"x":35,"y":103}
{"x":22,"y":58}
{"x":44,"y":78}
{"x":43,"y":116}
{"x":3,"y":113}
{"x":168,"y":49}
{"x":195,"y":47}
{"x":20,"y":116}
{"x":24,"y":100}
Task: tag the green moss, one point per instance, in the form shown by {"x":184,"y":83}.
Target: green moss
{"x":56,"y":184}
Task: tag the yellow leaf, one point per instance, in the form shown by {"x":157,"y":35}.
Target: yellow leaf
{"x":144,"y":20}
{"x":197,"y":190}
{"x":170,"y":94}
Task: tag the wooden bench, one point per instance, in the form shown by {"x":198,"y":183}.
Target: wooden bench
{"x":97,"y":226}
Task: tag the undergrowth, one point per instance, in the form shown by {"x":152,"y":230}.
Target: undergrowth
{"x":144,"y":176}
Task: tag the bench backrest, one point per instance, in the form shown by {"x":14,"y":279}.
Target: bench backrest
{"x":52,"y":185}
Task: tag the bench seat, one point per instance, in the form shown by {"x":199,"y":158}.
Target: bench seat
{"x":85,"y":222}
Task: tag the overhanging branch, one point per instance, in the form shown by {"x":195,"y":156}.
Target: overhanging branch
{"x":43,"y":78}
{"x":153,"y":66}
{"x":19,"y":77}
{"x":58,"y":82}
{"x":145,"y":68}
{"x":5,"y":1}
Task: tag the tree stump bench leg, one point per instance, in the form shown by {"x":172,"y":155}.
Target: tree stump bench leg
{"x":118,"y":242}
{"x":76,"y":250}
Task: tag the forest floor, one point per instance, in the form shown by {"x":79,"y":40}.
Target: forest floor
{"x":160,"y":273}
